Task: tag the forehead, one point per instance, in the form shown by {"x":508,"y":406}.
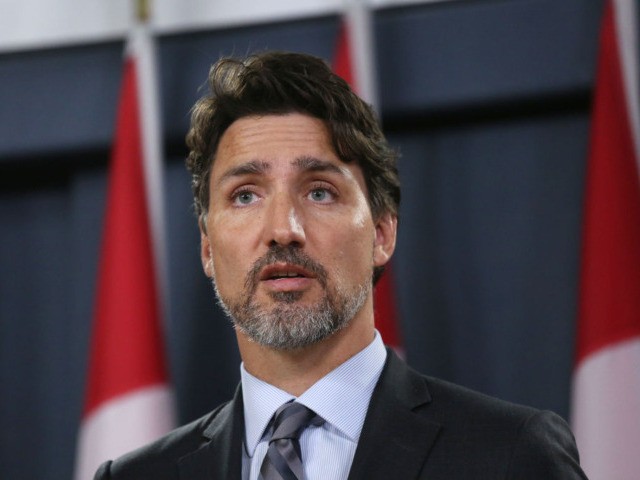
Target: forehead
{"x":279,"y":141}
{"x":270,"y":133}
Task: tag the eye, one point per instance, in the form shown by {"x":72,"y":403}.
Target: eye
{"x":244,"y":197}
{"x":321,"y":195}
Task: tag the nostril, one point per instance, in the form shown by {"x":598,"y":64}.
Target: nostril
{"x":289,"y":242}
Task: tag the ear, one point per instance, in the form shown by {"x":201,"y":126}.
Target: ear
{"x":205,"y":253}
{"x":385,"y":241}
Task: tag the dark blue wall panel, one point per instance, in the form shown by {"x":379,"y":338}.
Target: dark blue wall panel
{"x":468,"y":53}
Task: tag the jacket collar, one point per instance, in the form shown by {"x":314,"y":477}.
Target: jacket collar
{"x":395,"y":440}
{"x":220,"y":456}
{"x":394,"y":443}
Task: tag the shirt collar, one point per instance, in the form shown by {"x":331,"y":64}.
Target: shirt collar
{"x":341,"y":397}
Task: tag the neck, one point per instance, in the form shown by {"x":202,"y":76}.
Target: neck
{"x":294,"y":371}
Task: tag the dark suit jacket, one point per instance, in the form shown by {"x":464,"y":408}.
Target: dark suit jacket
{"x":416,"y":428}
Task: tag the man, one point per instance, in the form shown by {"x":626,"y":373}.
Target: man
{"x":297,"y":196}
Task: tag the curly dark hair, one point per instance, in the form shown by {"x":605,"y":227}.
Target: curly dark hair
{"x":280,"y":83}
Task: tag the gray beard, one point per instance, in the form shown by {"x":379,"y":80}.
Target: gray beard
{"x":288,"y":325}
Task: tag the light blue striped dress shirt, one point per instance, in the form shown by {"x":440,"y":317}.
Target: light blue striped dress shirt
{"x":341,"y":398}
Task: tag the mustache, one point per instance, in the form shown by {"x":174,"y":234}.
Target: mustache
{"x":284,"y":254}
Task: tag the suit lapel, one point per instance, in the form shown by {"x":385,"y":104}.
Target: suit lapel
{"x":220,"y":456}
{"x":395,"y":440}
{"x":394,"y":443}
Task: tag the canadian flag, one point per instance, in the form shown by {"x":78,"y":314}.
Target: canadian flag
{"x":606,"y":384}
{"x":128,"y":400}
{"x":353,"y":61}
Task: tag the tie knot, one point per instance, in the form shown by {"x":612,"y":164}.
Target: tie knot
{"x":291,"y":419}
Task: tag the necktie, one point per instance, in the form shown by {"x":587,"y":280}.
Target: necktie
{"x":283,"y":460}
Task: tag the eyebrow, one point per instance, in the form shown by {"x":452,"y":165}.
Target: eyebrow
{"x":255,"y":167}
{"x":312,"y":164}
{"x":248,"y":168}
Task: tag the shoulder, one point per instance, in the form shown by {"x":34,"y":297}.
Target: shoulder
{"x":456,"y":406}
{"x":445,"y":402}
{"x":472,"y":406}
{"x":514,"y":440}
{"x":484,"y":437}
{"x":159,"y":460}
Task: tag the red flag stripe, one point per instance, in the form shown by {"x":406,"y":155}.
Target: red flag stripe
{"x":386,"y":310}
{"x":126,"y":348}
{"x":342,"y":57}
{"x":609,"y":302}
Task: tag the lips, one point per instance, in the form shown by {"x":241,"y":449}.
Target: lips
{"x":284,"y":271}
{"x":284,"y":277}
{"x":285,"y":268}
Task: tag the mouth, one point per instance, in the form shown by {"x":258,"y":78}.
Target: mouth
{"x":286,"y":277}
{"x":280,"y":271}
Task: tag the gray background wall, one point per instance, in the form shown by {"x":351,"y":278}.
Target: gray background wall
{"x":488,"y":101}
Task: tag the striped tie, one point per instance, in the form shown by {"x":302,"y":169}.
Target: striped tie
{"x":283,"y":460}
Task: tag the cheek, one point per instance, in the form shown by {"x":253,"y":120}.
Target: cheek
{"x":225,"y":258}
{"x":352,"y":249}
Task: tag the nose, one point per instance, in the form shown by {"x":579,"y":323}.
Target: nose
{"x":283,"y":223}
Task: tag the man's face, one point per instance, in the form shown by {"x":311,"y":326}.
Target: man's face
{"x":290,"y":241}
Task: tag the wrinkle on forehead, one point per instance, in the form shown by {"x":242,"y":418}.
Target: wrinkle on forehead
{"x":309,"y":131}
